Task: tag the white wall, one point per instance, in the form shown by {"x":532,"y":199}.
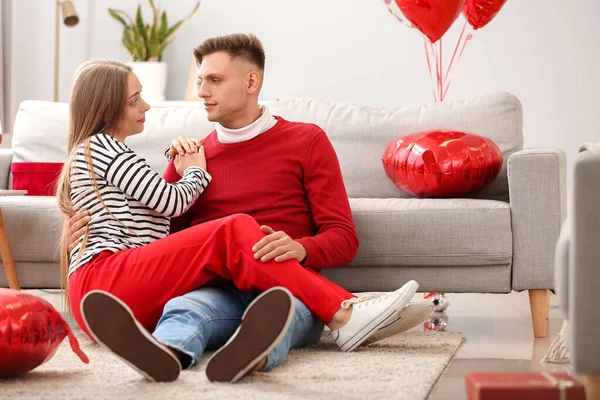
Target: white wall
{"x":544,"y":51}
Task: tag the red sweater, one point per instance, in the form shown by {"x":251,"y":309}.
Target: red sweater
{"x":288,"y":178}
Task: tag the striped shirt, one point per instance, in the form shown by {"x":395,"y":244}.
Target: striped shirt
{"x":133,"y":193}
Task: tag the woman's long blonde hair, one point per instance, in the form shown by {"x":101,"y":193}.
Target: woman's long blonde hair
{"x":97,"y":104}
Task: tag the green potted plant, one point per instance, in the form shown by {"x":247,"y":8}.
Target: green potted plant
{"x":146,"y":43}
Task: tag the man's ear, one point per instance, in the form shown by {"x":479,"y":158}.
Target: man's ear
{"x":254,"y":81}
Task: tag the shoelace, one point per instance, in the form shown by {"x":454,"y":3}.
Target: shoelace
{"x":372,"y":300}
{"x":368,"y":299}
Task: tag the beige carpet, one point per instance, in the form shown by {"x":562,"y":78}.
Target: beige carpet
{"x":404,"y":367}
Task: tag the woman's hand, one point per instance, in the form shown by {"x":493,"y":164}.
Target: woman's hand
{"x":193,"y":159}
{"x":183,"y":145}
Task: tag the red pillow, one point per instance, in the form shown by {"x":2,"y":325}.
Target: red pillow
{"x":442,"y":163}
{"x":38,"y":178}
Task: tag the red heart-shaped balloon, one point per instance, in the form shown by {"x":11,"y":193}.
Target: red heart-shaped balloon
{"x":30,"y":332}
{"x":393,"y":8}
{"x":432,"y":17}
{"x":479,"y":13}
{"x":442,"y":163}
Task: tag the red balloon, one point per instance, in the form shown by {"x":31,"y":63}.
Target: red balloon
{"x":30,"y":332}
{"x":393,"y":8}
{"x":432,"y":17}
{"x":479,"y":13}
{"x":442,"y":163}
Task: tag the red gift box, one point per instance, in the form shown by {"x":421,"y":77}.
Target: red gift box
{"x":38,"y":178}
{"x":525,"y":385}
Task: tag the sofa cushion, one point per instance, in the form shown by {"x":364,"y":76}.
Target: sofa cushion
{"x":394,"y":232}
{"x":360,"y":134}
{"x":40,"y":131}
{"x":432,"y":232}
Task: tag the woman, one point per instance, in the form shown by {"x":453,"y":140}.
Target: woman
{"x":127,"y":266}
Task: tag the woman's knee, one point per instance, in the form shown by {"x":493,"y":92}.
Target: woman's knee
{"x":175,"y":304}
{"x":185,"y":305}
{"x":209,"y":302}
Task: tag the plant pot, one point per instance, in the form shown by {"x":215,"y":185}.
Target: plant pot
{"x":153,"y":77}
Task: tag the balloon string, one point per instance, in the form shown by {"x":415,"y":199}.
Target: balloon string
{"x":433,"y":49}
{"x":455,"y":51}
{"x":429,"y":67}
{"x":76,"y":348}
{"x":440,"y":72}
{"x":448,"y":77}
{"x":469,"y":37}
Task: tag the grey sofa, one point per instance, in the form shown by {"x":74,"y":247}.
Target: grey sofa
{"x":578,"y":269}
{"x":496,"y":241}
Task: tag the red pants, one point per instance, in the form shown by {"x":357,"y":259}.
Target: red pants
{"x":214,"y":252}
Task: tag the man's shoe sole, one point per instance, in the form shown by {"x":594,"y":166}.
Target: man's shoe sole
{"x":112,"y":324}
{"x":264,"y":324}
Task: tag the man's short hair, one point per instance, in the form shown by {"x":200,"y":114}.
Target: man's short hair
{"x":245,"y":46}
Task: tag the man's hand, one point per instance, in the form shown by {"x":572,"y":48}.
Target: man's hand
{"x":77,"y":225}
{"x":278,"y":246}
{"x":183,"y":145}
{"x":196,"y":159}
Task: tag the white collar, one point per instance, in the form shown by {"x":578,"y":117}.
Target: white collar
{"x":265,"y":122}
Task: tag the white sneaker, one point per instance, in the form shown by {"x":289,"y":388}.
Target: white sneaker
{"x":368,"y":315}
{"x":401,"y":321}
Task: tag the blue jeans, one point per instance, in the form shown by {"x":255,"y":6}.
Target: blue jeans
{"x":205,"y":319}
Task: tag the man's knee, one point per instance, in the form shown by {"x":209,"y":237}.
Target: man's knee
{"x":243,"y":220}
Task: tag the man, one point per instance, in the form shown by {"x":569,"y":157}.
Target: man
{"x":286,"y":176}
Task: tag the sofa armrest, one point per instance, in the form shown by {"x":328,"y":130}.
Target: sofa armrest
{"x":561,"y":266}
{"x":537,"y":190}
{"x":6,"y":156}
{"x":584,"y":262}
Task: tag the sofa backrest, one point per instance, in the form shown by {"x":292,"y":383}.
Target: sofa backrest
{"x":40,"y":131}
{"x":360,"y":134}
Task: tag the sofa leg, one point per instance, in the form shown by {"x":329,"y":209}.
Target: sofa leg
{"x":539,"y":301}
{"x":592,"y":386}
{"x":7,"y":258}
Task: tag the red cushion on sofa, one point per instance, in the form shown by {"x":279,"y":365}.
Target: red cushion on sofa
{"x":38,"y":178}
{"x":442,"y":163}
